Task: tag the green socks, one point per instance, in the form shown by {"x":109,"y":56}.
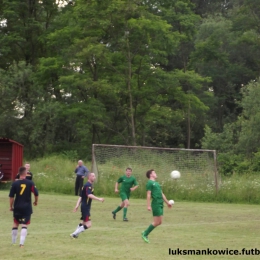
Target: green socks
{"x":125,"y":210}
{"x":117,"y":209}
{"x":149,"y":230}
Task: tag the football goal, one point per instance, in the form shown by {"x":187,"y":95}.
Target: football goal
{"x":198,"y":167}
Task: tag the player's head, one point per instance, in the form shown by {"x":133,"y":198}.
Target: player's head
{"x":80,"y":162}
{"x":128,"y":171}
{"x":27,"y":166}
{"x":151,"y":174}
{"x":91,"y":177}
{"x":22,"y":171}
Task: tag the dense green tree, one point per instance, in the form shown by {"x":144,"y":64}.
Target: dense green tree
{"x":118,"y":50}
{"x":249,"y":121}
{"x":155,"y":72}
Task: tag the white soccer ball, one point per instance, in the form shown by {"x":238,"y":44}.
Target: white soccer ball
{"x":175,"y":174}
{"x":171,"y":202}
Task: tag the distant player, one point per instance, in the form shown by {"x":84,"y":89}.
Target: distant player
{"x":29,"y":175}
{"x":85,"y":200}
{"x":154,"y":191}
{"x":21,"y":204}
{"x":128,"y":184}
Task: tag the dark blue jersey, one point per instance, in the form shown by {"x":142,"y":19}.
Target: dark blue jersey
{"x":21,"y":190}
{"x":29,"y":176}
{"x":86,"y":190}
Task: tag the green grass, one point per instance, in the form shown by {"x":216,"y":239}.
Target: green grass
{"x":188,"y":225}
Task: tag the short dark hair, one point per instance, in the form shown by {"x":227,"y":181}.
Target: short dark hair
{"x":128,"y":168}
{"x":22,"y":170}
{"x":148,"y":173}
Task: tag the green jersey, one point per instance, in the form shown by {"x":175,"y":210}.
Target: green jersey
{"x":156,"y":191}
{"x":127,"y":183}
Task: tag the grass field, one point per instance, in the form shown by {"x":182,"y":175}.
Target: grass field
{"x":188,"y":225}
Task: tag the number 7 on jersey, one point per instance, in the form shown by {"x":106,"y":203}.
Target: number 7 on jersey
{"x":23,"y":186}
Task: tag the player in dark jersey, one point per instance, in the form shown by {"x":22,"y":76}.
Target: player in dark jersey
{"x":87,"y":195}
{"x":29,"y":175}
{"x":154,"y":191}
{"x":21,"y":204}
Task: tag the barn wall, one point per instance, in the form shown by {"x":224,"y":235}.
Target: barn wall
{"x":17,"y":162}
{"x":11,"y":158}
{"x":6,"y":160}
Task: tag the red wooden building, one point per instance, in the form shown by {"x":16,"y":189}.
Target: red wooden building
{"x":11,"y":158}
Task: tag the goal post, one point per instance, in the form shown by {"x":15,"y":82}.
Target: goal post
{"x":198,"y":167}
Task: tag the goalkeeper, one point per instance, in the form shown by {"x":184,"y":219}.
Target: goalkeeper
{"x":128,"y":184}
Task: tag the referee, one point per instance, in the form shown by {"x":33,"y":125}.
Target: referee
{"x":81,"y":172}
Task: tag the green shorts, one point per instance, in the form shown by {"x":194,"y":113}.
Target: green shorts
{"x":124,"y":196}
{"x":157,"y":210}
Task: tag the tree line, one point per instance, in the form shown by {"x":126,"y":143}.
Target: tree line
{"x":167,"y":73}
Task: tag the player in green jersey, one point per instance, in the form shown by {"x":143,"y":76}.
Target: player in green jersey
{"x":154,"y":191}
{"x":128,"y":184}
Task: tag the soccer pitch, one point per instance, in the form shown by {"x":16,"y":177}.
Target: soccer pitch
{"x":187,"y":226}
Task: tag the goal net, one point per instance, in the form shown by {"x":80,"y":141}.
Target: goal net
{"x":198,"y":167}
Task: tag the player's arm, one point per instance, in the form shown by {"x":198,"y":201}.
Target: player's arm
{"x":166,"y":201}
{"x":148,"y":198}
{"x":11,"y":203}
{"x":35,"y":200}
{"x":77,"y":205}
{"x":11,"y":196}
{"x":36,"y":194}
{"x":116,"y":187}
{"x":117,"y":183}
{"x":93,"y":197}
{"x":135,"y":186}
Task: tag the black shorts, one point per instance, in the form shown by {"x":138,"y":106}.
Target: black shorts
{"x":85,"y":214}
{"x":21,"y":219}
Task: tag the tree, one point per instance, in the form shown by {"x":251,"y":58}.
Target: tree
{"x":120,"y":46}
{"x":249,"y":138}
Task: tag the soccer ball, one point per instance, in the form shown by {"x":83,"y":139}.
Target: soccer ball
{"x":171,"y":202}
{"x":175,"y":174}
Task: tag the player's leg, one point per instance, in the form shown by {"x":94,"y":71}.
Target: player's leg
{"x":157,"y":220}
{"x":23,"y":235}
{"x":126,"y":204}
{"x":24,"y":221}
{"x":15,"y":231}
{"x":123,"y":197}
{"x":85,"y":224}
{"x":76,"y":230}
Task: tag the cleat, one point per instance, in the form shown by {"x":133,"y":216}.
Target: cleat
{"x":73,"y":236}
{"x":125,"y":219}
{"x":21,"y":246}
{"x":114,"y":215}
{"x":145,"y":238}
